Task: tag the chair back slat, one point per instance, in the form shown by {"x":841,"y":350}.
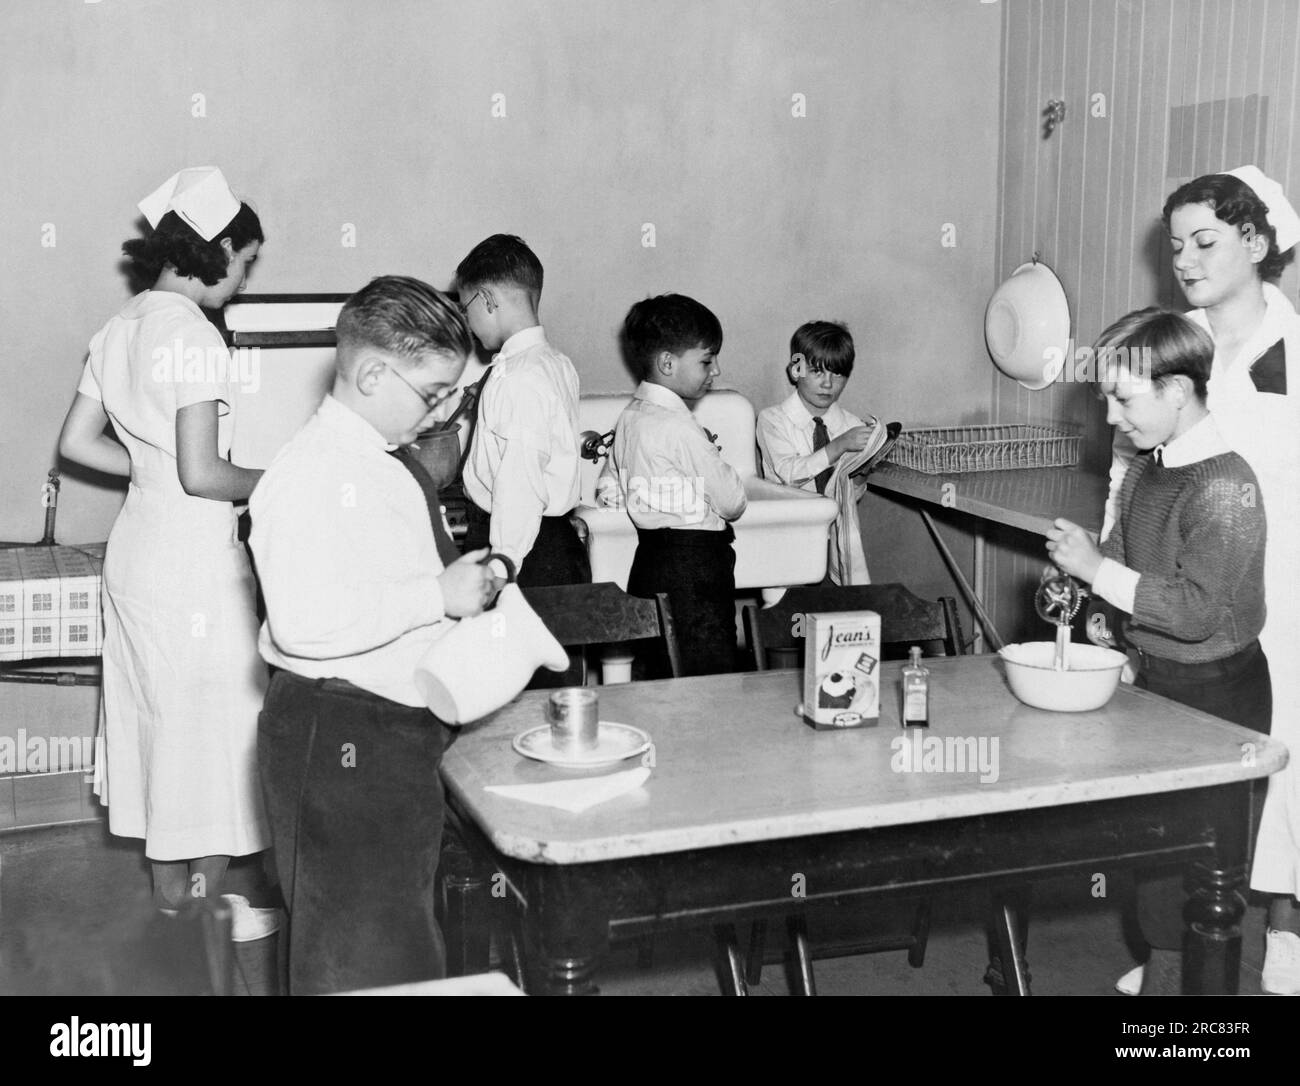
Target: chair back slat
{"x":593,"y":614}
{"x":904,"y":618}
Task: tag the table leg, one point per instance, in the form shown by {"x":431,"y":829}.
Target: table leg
{"x":805,"y":984}
{"x":465,"y":908}
{"x":566,"y":933}
{"x":730,"y":965}
{"x":1212,"y":948}
{"x":1008,"y":971}
{"x":972,"y":597}
{"x":1212,"y":959}
{"x":757,"y":949}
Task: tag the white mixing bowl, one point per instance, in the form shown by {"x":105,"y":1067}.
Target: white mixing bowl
{"x":1088,"y":684}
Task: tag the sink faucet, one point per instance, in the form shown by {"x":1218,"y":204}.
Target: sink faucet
{"x":593,"y":445}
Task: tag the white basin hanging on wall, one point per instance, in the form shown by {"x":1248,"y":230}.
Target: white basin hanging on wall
{"x":781,"y":539}
{"x":1027,"y":326}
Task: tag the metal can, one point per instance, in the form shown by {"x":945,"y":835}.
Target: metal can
{"x":574,"y":716}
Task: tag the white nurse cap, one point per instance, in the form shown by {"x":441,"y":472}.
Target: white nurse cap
{"x":1281,"y":215}
{"x":199,"y":195}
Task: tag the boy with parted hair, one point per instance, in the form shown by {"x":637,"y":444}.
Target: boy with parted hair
{"x":679,"y":492}
{"x":1184,"y":563}
{"x":351,"y":561}
{"x":803,"y":437}
{"x":521,"y":470}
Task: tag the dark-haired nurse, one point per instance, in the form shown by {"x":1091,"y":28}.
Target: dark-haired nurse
{"x":182,"y":679}
{"x":1232,"y":234}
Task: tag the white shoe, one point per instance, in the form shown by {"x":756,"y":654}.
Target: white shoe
{"x":249,"y":924}
{"x":1281,"y":974}
{"x":1131,"y":982}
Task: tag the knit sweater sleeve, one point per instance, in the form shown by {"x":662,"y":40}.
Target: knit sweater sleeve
{"x":1221,"y":527}
{"x":1113,"y":545}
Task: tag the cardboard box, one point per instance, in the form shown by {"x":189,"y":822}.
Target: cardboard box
{"x":841,"y":676}
{"x":49,"y":601}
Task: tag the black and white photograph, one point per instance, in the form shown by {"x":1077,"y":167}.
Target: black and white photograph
{"x":652,"y":498}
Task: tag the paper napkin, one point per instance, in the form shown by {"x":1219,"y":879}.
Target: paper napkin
{"x":577,"y":794}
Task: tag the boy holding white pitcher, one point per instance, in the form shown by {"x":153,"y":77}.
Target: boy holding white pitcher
{"x":356,"y":592}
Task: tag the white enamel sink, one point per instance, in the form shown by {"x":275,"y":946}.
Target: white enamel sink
{"x":780,"y":538}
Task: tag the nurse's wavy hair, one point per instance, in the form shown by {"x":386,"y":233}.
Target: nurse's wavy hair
{"x":670,"y":322}
{"x":173,"y":242}
{"x":1156,"y":344}
{"x":1237,"y":204}
{"x":404,"y":317}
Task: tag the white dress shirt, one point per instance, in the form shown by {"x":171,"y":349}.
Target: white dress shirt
{"x":665,"y":470}
{"x":523,"y":462}
{"x":1117,"y":584}
{"x":346,"y":557}
{"x":785,"y":440}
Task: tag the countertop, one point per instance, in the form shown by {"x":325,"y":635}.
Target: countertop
{"x":733,"y":764}
{"x":1028,"y":498}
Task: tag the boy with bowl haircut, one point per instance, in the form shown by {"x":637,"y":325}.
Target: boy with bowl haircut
{"x":1184,"y":561}
{"x":803,"y":437}
{"x":348,"y":556}
{"x":665,"y":470}
{"x":521,"y":470}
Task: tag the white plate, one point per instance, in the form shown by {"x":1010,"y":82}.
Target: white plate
{"x":614,"y":743}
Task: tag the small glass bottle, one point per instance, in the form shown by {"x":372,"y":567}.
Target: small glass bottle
{"x":916,"y":692}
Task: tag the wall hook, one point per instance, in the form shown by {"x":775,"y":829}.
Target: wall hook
{"x":1053,"y":116}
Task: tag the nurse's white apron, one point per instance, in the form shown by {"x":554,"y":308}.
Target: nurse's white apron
{"x":183,"y":682}
{"x":1264,"y":427}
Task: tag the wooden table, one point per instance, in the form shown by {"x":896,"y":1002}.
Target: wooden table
{"x":744,"y":798}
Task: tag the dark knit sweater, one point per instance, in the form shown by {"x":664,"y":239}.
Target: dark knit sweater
{"x":1196,"y":535}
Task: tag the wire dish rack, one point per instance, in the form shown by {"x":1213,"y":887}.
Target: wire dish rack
{"x":947,"y":450}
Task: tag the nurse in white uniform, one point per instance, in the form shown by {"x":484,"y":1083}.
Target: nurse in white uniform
{"x":1231,"y":234}
{"x":182,"y":679}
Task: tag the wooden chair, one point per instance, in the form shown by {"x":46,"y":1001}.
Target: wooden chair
{"x":578,"y":615}
{"x":603,"y":614}
{"x":905,"y":620}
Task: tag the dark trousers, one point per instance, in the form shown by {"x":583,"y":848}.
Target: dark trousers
{"x":558,"y":555}
{"x":356,"y":808}
{"x":697,"y":569}
{"x":1237,"y":689}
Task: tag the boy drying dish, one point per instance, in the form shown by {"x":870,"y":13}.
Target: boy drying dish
{"x":802,"y":438}
{"x":679,"y":492}
{"x":1184,"y":561}
{"x":522,"y":466}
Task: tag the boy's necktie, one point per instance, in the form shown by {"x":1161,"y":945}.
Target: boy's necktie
{"x":446,"y":548}
{"x":820,"y":438}
{"x":475,"y":390}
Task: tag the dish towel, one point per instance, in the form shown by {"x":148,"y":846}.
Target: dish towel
{"x":847,"y":562}
{"x":576,"y":794}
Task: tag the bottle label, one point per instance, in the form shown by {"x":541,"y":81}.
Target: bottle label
{"x":915,"y":707}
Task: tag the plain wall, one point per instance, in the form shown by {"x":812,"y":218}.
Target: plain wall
{"x":617,"y":114}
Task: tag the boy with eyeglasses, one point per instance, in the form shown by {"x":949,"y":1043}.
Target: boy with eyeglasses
{"x":521,"y":472}
{"x":358,"y":584}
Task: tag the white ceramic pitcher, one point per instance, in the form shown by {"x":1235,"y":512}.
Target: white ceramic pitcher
{"x":481,"y":663}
